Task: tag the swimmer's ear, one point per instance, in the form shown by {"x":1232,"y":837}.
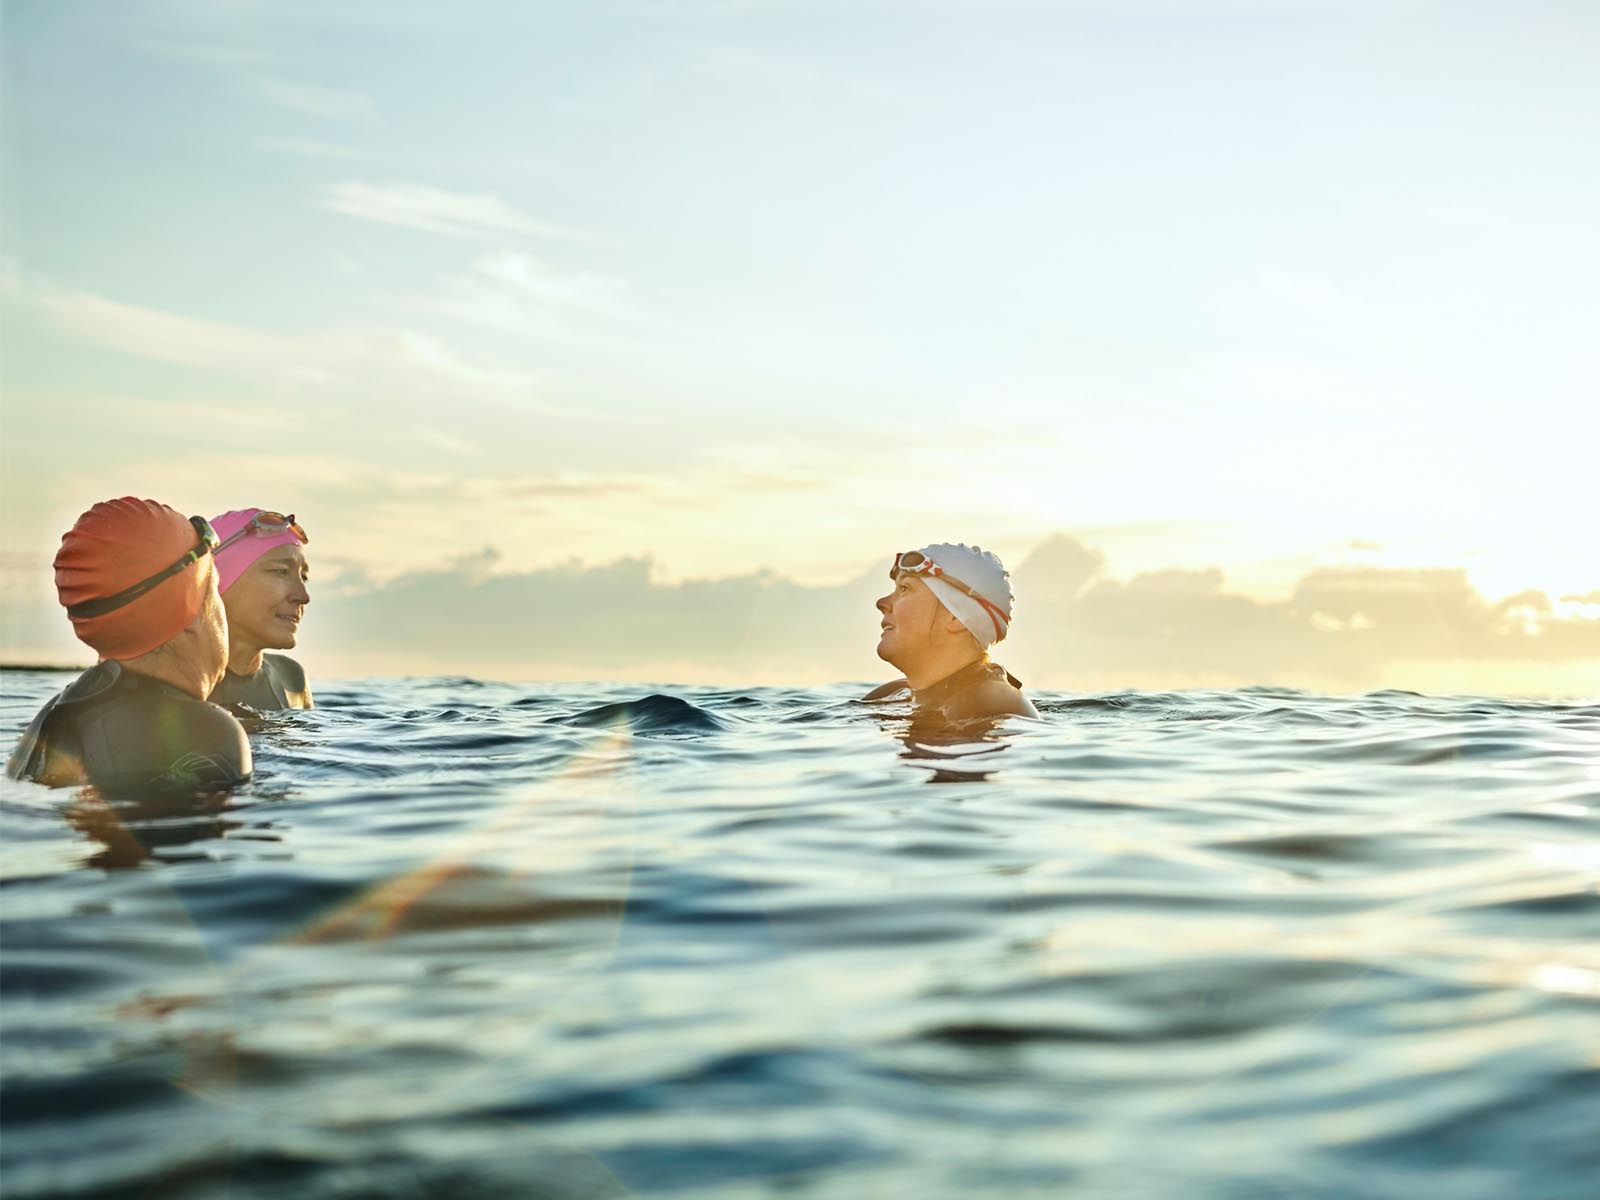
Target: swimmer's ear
{"x":952,"y":623}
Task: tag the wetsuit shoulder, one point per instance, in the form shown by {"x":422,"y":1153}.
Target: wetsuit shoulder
{"x":278,"y":683}
{"x":290,"y":678}
{"x":990,"y":698}
{"x":217,"y":752}
{"x":48,"y":751}
{"x":980,"y":689}
{"x":31,"y":756}
{"x":885,"y":690}
{"x":147,"y":735}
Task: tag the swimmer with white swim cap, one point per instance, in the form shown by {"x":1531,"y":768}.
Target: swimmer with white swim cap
{"x":949,"y":604}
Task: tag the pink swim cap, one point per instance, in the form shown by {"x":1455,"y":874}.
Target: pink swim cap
{"x":235,"y":559}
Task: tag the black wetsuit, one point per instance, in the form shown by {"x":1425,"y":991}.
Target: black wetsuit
{"x":279,"y":683}
{"x":956,"y":696}
{"x":120,"y":730}
{"x":949,"y":692}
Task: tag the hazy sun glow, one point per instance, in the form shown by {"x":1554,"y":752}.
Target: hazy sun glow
{"x":1257,"y":289}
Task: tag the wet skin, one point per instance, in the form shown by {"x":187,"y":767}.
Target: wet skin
{"x":265,"y":606}
{"x":911,"y":613}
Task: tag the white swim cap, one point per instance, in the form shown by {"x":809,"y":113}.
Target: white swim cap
{"x":971,"y":583}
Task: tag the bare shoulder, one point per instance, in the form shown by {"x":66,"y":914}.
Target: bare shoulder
{"x":885,"y":690}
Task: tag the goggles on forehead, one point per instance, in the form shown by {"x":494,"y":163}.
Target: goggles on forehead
{"x":915,"y":562}
{"x":101,"y":606}
{"x":266,"y":524}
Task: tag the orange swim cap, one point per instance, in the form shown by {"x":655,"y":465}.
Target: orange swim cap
{"x":113,"y":546}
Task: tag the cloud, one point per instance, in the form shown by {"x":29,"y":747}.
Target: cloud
{"x":343,"y":105}
{"x":217,"y":54}
{"x":169,"y":337}
{"x":434,"y":210}
{"x":615,"y":620}
{"x":1076,"y":628}
{"x":399,"y":362}
{"x":513,"y":293}
{"x":1339,"y":629}
{"x":238,"y":53}
{"x":440,"y":440}
{"x":1056,"y":573}
{"x":243,"y":59}
{"x":311,"y":148}
{"x":543,"y":283}
{"x":569,"y":485}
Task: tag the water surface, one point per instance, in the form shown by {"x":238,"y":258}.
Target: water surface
{"x":460,"y":938}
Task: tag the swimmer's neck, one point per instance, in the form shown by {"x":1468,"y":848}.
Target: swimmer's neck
{"x":244,"y":660}
{"x":178,"y":669}
{"x":925,"y":674}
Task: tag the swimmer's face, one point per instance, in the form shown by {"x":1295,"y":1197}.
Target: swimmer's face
{"x":911,"y":621}
{"x":266,"y":603}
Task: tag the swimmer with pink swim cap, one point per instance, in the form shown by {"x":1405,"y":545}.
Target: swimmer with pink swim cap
{"x":262,"y":575}
{"x":950,"y":603}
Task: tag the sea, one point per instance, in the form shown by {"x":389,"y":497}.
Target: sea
{"x":459,"y":938}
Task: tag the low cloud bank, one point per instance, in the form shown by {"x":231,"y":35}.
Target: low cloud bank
{"x":1077,"y":628}
{"x":1340,"y":627}
{"x":612,"y":621}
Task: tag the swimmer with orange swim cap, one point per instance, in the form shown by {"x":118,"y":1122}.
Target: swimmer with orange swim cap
{"x":949,"y":604}
{"x":262,"y":575}
{"x":139,"y":586}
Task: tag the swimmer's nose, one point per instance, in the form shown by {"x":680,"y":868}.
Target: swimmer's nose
{"x":883,"y":603}
{"x":300,"y":595}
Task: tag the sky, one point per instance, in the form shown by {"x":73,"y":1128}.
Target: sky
{"x":630,"y":340}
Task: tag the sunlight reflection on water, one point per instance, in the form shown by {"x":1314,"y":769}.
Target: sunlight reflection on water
{"x":1208,"y":944}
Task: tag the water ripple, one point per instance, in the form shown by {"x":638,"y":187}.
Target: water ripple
{"x":471,"y":938}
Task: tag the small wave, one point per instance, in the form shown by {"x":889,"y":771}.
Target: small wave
{"x":442,"y":923}
{"x":1080,"y":703}
{"x":655,"y":713}
{"x":1323,"y":847}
